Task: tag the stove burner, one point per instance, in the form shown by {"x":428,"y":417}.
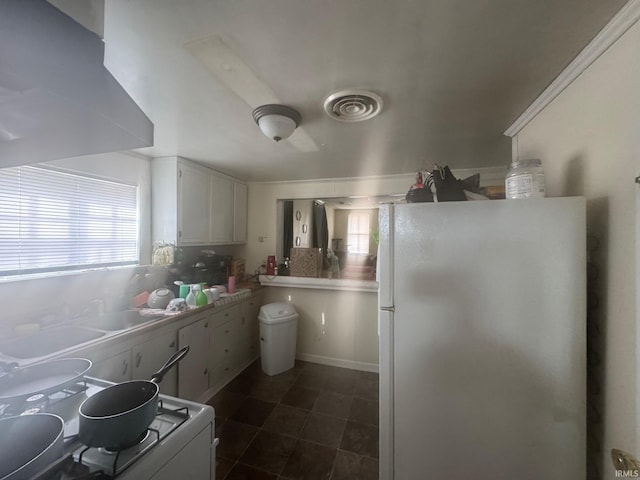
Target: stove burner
{"x":137,"y":441}
{"x":98,"y":463}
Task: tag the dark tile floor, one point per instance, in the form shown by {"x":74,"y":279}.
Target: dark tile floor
{"x":313,"y":422}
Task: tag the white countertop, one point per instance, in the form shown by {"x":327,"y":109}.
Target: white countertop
{"x":319,"y":283}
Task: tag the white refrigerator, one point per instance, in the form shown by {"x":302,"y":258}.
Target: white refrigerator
{"x":482,"y":324}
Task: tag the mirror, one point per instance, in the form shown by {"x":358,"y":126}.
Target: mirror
{"x":345,"y":229}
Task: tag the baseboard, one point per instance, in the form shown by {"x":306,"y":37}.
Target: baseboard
{"x":338,"y":362}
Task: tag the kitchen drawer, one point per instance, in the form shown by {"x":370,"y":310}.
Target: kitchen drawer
{"x":224,"y":341}
{"x":228,"y":314}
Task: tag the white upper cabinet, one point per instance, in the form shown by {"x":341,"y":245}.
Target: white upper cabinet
{"x":240,"y":212}
{"x":194,"y":208}
{"x":194,"y":205}
{"x":221,"y":209}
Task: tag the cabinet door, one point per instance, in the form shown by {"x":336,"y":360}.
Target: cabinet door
{"x":239,"y":212}
{"x":221,"y":209}
{"x":250,"y":332}
{"x":194,"y":205}
{"x":150,"y":356}
{"x":115,"y":369}
{"x":193,"y":373}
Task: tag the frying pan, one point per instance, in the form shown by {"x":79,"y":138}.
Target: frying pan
{"x":118,"y":416}
{"x":29,"y":443}
{"x":48,"y":377}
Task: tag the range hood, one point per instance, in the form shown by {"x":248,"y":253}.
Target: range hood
{"x":57,"y":100}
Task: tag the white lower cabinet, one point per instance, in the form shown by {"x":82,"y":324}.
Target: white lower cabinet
{"x":222,"y":342}
{"x":193,"y":369}
{"x":150,"y":356}
{"x":116,"y":368}
{"x":250,"y":332}
{"x":225,"y":337}
{"x":235,"y":341}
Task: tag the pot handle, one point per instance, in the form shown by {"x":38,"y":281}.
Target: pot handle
{"x":175,"y":358}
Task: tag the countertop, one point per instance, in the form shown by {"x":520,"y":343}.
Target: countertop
{"x":121,"y":337}
{"x":319,"y":283}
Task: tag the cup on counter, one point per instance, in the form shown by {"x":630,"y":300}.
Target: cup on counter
{"x":184,"y":291}
{"x":213,"y":294}
{"x":231,"y":285}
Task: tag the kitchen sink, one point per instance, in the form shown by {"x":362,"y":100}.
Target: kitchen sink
{"x":48,"y":341}
{"x":117,"y":320}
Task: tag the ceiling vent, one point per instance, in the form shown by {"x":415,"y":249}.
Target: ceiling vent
{"x":353,"y":105}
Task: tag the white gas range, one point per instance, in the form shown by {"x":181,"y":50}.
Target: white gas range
{"x":180,"y":442}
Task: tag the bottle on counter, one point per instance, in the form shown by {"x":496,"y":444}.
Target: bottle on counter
{"x":231,"y":284}
{"x":201,"y":297}
{"x":191,"y":297}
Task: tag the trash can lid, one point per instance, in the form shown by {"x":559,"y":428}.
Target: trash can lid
{"x":277,"y":312}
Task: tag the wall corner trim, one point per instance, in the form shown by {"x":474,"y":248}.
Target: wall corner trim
{"x":617,"y":26}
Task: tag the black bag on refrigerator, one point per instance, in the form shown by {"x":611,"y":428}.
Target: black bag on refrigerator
{"x":448,"y":187}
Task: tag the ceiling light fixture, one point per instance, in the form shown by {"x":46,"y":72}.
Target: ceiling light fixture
{"x":276,"y":121}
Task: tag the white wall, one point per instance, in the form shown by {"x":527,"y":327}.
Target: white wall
{"x":335,"y":327}
{"x":589,"y":141}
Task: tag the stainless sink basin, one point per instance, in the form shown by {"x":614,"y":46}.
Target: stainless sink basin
{"x":117,"y":320}
{"x":48,"y":341}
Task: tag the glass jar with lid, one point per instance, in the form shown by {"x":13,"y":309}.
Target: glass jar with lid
{"x":525,"y":179}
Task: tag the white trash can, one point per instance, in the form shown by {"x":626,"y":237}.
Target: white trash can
{"x":278,"y":333}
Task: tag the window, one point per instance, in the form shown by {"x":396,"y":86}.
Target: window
{"x":358,"y":232}
{"x":53,"y":221}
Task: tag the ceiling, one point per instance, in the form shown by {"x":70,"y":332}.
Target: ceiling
{"x":453,"y":75}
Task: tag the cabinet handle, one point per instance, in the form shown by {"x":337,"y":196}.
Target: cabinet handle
{"x":206,"y":325}
{"x":226,"y":331}
{"x":226,"y":350}
{"x":179,"y":233}
{"x":138,"y":359}
{"x":226,"y":369}
{"x":206,"y":371}
{"x":172,"y":344}
{"x":125,"y":366}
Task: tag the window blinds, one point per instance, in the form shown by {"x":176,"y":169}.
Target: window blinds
{"x":358,"y":232}
{"x":53,"y":221}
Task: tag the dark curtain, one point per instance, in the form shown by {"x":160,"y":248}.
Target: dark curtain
{"x":287,"y":234}
{"x":320,"y":231}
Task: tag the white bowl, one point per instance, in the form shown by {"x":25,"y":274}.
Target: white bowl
{"x":160,"y":298}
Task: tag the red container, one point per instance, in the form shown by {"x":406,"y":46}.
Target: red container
{"x":271,"y":265}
